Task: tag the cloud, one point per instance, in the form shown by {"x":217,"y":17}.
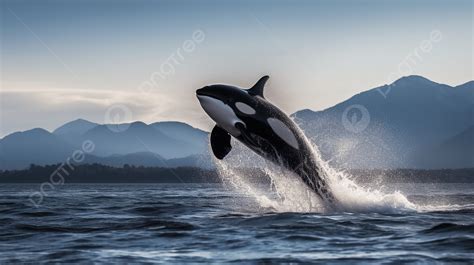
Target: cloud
{"x":24,"y":109}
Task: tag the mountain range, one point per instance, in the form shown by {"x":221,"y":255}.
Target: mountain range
{"x":161,"y":144}
{"x":411,"y":123}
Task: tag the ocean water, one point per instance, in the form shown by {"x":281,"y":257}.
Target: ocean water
{"x":135,"y":223}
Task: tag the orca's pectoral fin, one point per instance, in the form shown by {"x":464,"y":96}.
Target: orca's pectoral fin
{"x":220,"y":142}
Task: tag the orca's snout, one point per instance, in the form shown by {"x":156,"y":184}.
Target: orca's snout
{"x":202,"y":94}
{"x":198,"y":92}
{"x":203,"y":91}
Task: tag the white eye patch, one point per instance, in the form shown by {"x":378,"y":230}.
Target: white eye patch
{"x":283,"y":132}
{"x":244,"y":108}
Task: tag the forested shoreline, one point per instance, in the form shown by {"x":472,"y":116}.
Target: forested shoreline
{"x":97,"y":173}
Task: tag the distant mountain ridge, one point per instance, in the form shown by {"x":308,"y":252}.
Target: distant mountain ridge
{"x":75,"y":127}
{"x":139,"y":137}
{"x":414,"y":116}
{"x":160,"y":144}
{"x":38,"y":146}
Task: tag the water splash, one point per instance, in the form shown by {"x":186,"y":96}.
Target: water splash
{"x":287,"y":193}
{"x":353,"y":197}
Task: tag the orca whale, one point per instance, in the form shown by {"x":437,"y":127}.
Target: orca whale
{"x":247,"y":116}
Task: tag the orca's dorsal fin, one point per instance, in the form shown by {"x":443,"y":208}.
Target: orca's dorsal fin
{"x":257,"y":89}
{"x":220,"y":142}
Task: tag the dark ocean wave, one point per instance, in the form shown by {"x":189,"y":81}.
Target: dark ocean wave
{"x":178,"y":224}
{"x":450,"y":228}
{"x":107,"y":226}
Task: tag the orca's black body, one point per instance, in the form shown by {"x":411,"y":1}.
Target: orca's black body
{"x":247,"y":116}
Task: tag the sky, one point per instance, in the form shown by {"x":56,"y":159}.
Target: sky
{"x":120,"y":61}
